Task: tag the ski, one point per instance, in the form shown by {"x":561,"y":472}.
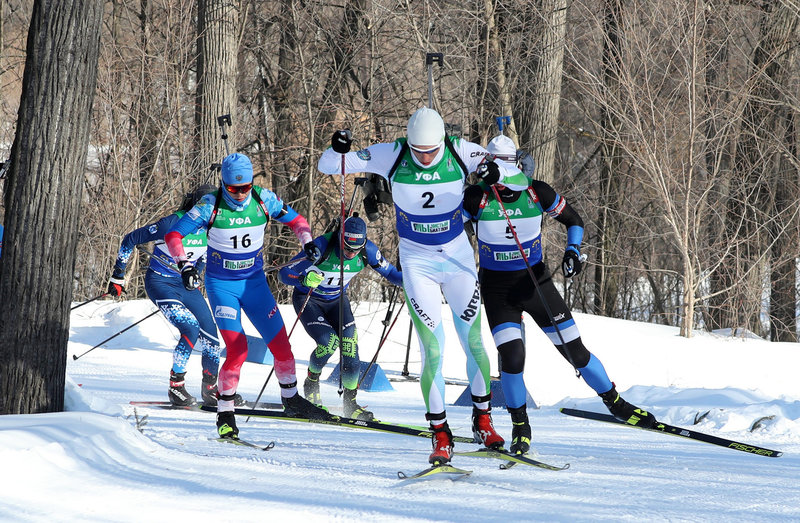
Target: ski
{"x":512,"y":459}
{"x":451,"y":472}
{"x":245,"y":443}
{"x":339,"y":421}
{"x":678,"y":431}
{"x":197,"y":407}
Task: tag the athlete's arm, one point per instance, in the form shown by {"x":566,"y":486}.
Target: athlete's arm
{"x":473,"y":154}
{"x":377,"y":158}
{"x":385,"y":268}
{"x":197,"y":218}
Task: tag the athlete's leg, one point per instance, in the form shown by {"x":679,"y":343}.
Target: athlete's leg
{"x":350,"y":364}
{"x":319,"y":328}
{"x":462,"y":292}
{"x":262,"y":310}
{"x":421,"y":287}
{"x":564,"y":335}
{"x":504,"y":315}
{"x":169,"y":295}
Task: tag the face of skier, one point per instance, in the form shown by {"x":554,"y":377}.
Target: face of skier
{"x":425,"y":154}
{"x":239,"y":192}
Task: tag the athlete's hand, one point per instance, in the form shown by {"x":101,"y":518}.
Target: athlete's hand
{"x":488,"y":172}
{"x":572,"y":263}
{"x":341,"y":140}
{"x":313,"y":254}
{"x":312,"y":278}
{"x":189,"y":275}
{"x":116,"y":286}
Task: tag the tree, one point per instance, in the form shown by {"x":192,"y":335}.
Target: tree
{"x":43,"y":197}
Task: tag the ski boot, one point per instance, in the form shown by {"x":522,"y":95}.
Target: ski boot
{"x":442,"y":442}
{"x":299,"y":407}
{"x":624,"y":411}
{"x":520,"y":430}
{"x":311,"y":388}
{"x":178,"y":395}
{"x":354,"y":410}
{"x":210,"y":393}
{"x":226,"y":425}
{"x":483,"y":429}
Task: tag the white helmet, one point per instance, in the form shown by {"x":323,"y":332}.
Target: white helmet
{"x":425,"y":127}
{"x":503,"y":147}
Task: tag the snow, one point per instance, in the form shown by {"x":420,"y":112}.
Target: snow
{"x":92,"y":464}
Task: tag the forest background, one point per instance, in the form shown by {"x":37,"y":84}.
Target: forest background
{"x":671,"y":126}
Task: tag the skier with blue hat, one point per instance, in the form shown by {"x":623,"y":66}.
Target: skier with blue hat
{"x":318,"y":283}
{"x":236,"y":283}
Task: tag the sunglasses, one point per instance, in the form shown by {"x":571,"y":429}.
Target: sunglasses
{"x":239,"y":189}
{"x":424,"y":151}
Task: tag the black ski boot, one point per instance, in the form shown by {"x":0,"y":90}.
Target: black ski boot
{"x":226,"y":425}
{"x":299,"y":407}
{"x":311,"y":388}
{"x":178,"y":395}
{"x":624,"y":411}
{"x":210,"y":393}
{"x":354,"y":410}
{"x":520,"y":430}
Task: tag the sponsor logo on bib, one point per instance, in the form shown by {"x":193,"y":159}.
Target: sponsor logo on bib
{"x":430,"y":228}
{"x":238,"y":265}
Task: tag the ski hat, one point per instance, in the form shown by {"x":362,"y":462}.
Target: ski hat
{"x":425,"y":127}
{"x":355,"y":233}
{"x":237,"y":169}
{"x":503,"y":148}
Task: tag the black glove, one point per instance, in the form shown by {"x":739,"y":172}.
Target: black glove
{"x":189,"y":275}
{"x":116,"y":286}
{"x":341,"y":140}
{"x":488,"y":172}
{"x":313,"y":254}
{"x":571,"y":264}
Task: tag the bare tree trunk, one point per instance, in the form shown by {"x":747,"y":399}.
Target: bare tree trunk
{"x":43,"y":198}
{"x":605,"y":277}
{"x":218,"y":46}
{"x":547,"y":79}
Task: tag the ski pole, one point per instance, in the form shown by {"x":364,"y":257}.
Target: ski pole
{"x":75,"y":357}
{"x":408,"y":348}
{"x":272,"y":371}
{"x":89,"y":301}
{"x":375,"y":357}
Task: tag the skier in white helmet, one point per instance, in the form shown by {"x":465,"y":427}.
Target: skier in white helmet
{"x":426,"y":172}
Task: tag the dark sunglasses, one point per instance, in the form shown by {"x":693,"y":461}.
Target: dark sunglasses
{"x":238,"y":189}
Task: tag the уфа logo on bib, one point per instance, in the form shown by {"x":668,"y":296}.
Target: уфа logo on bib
{"x":430,"y":228}
{"x":238,"y":265}
{"x":224,"y":312}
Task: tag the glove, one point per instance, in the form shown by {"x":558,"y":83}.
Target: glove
{"x":571,"y":264}
{"x":313,"y":278}
{"x":116,"y":286}
{"x":189,"y":275}
{"x":488,"y":172}
{"x":313,"y":254}
{"x":341,"y":140}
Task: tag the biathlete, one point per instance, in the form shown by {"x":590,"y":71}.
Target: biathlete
{"x":236,"y":283}
{"x":508,"y":289}
{"x":426,"y":172}
{"x":186,"y":311}
{"x":320,"y":317}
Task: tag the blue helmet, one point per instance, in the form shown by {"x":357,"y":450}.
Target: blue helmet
{"x":237,"y":169}
{"x":355,"y":233}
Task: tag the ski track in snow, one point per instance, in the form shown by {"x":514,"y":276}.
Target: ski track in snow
{"x":92,"y":464}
